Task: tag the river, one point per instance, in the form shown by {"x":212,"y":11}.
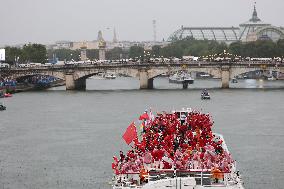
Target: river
{"x":66,"y":139}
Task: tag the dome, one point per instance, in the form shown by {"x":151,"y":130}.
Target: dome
{"x":248,"y":29}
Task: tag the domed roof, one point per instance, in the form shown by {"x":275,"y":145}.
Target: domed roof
{"x":254,"y":21}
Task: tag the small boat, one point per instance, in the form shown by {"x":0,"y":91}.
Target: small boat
{"x":271,"y":78}
{"x":205,"y":95}
{"x":234,"y":80}
{"x":96,"y":77}
{"x":181,"y":78}
{"x":204,"y":76}
{"x":2,"y":107}
{"x":110,"y":76}
{"x":8,"y":95}
{"x":164,"y":75}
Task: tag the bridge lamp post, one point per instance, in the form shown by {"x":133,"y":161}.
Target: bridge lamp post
{"x":148,"y":56}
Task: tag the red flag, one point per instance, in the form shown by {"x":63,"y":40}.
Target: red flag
{"x":130,"y":133}
{"x":144,"y":116}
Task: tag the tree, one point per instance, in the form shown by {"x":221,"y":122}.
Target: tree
{"x":236,"y":48}
{"x":280,"y":48}
{"x":265,"y":48}
{"x":64,"y":54}
{"x":34,"y":53}
{"x":13,"y":54}
{"x":136,"y":51}
{"x":156,"y":50}
{"x":93,"y":54}
{"x":116,"y":53}
{"x":29,"y":53}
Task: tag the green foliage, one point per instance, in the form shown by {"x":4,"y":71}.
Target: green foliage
{"x":29,"y":53}
{"x":236,"y":48}
{"x":156,"y":50}
{"x":64,"y":54}
{"x":190,"y":46}
{"x":136,"y":51}
{"x":280,"y":47}
{"x":34,"y":53}
{"x":116,"y":53}
{"x":172,"y":51}
{"x":93,"y":54}
{"x":13,"y":54}
{"x":258,"y":49}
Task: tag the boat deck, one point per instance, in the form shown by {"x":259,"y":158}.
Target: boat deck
{"x":180,"y":183}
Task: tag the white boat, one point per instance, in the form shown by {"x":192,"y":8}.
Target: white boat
{"x":193,"y":175}
{"x":164,"y":75}
{"x":110,"y":76}
{"x":204,"y":76}
{"x":99,"y":76}
{"x":271,"y":78}
{"x":181,"y":78}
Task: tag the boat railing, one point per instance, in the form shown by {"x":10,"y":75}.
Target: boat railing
{"x":203,"y":177}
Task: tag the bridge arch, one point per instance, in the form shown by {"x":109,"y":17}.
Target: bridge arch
{"x":131,"y":72}
{"x":155,"y":72}
{"x":238,"y":71}
{"x":22,"y":75}
{"x":215,"y":72}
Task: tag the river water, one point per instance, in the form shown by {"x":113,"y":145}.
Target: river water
{"x":66,"y":139}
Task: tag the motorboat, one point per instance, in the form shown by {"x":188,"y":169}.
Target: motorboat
{"x":234,"y":80}
{"x":180,"y":78}
{"x":2,"y":107}
{"x":205,"y":95}
{"x":204,"y":76}
{"x":110,"y":76}
{"x":271,"y":78}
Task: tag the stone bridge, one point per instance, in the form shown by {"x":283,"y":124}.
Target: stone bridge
{"x":75,"y":75}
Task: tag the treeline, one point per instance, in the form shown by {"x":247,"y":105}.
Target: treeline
{"x":28,"y":53}
{"x":190,"y":46}
{"x":179,"y":48}
{"x":92,"y":54}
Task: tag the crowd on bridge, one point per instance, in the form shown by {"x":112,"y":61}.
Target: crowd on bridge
{"x":171,"y":140}
{"x":167,"y":60}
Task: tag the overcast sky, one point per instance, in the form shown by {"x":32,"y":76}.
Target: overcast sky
{"x":46,"y":21}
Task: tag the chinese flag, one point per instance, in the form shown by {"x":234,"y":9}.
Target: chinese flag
{"x":144,"y":116}
{"x":130,"y":133}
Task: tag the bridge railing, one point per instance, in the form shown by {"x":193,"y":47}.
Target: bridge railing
{"x":149,"y":64}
